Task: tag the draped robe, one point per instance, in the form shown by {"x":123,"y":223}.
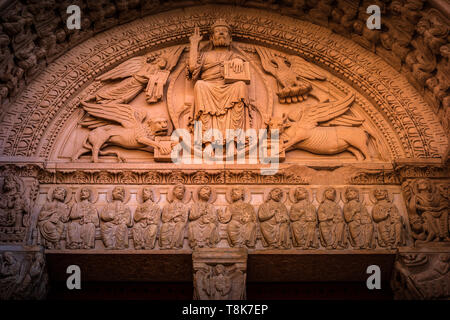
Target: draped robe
{"x":274,"y":223}
{"x":219,"y":105}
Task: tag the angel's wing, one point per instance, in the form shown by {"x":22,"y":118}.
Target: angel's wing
{"x":125,"y":69}
{"x":237,"y":285}
{"x":325,"y":111}
{"x":202,"y":283}
{"x":305,"y":69}
{"x":121,"y":113}
{"x":266,"y":57}
{"x":172,"y":55}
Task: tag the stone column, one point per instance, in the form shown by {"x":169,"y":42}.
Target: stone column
{"x":219,"y":273}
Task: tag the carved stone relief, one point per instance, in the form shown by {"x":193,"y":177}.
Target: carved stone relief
{"x":14,"y":210}
{"x":23,"y":274}
{"x":428,"y":206}
{"x":403,"y":24}
{"x":333,"y":232}
{"x":421,"y":275}
{"x":274,"y":221}
{"x":308,"y":217}
{"x":53,"y":215}
{"x":203,"y":221}
{"x":240,"y":218}
{"x":83,"y":220}
{"x":380,"y":136}
{"x":219,"y":274}
{"x":115,"y":220}
{"x":389,"y":223}
{"x":324,"y":112}
{"x":346,"y":121}
{"x":174,"y":218}
{"x":146,"y":221}
{"x":360,"y":226}
{"x":303,"y":220}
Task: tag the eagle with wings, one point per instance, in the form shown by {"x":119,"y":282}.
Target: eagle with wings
{"x":114,"y":124}
{"x":293,"y":75}
{"x":147,"y":72}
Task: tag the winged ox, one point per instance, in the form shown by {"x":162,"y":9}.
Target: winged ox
{"x":324,"y":129}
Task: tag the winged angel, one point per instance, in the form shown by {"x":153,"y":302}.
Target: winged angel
{"x":219,"y":282}
{"x":113,"y":121}
{"x":323,"y":128}
{"x":148,"y":72}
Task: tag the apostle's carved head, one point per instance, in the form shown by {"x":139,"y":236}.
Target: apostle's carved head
{"x":147,"y":194}
{"x":219,"y":269}
{"x":380,"y":194}
{"x":10,"y":183}
{"x":204,"y":193}
{"x":118,"y":193}
{"x":59,"y":194}
{"x":330,"y":194}
{"x":220,"y":34}
{"x":300,"y":194}
{"x":276,"y":194}
{"x":8,"y":258}
{"x":351,"y":194}
{"x":237,"y":193}
{"x":39,"y":257}
{"x":178,"y":191}
{"x":85,"y":194}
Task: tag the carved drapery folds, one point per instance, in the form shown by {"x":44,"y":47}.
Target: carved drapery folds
{"x":413,"y":36}
{"x":83,"y":220}
{"x":345,"y":118}
{"x":399,"y":137}
{"x":115,"y":220}
{"x":53,"y":216}
{"x":428,"y":204}
{"x":294,"y":217}
{"x":14,"y":210}
{"x":240,"y":218}
{"x":17,"y":198}
{"x":146,"y":219}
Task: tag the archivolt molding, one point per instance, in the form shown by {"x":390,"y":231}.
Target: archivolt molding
{"x":35,"y":119}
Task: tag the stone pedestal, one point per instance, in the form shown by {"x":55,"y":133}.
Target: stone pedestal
{"x":219,"y":273}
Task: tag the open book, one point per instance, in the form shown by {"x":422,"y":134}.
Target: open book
{"x":231,"y":76}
